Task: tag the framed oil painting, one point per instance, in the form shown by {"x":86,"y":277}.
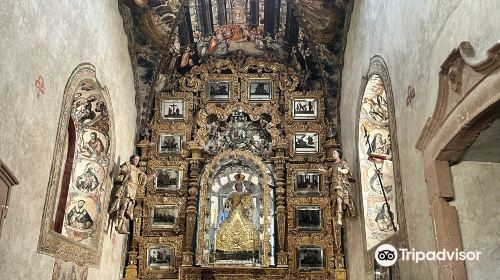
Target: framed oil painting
{"x":306,"y":142}
{"x":170,"y":143}
{"x":219,"y":91}
{"x":164,"y":216}
{"x":160,"y":256}
{"x":310,"y":258}
{"x":173,"y":109}
{"x":307,"y":182}
{"x":305,"y":109}
{"x":308,"y":217}
{"x":260,"y":90}
{"x":168,"y":179}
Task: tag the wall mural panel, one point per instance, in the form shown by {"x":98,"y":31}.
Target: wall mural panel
{"x":78,"y":188}
{"x":375,"y":140}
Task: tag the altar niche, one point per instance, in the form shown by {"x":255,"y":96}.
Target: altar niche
{"x":237,"y":201}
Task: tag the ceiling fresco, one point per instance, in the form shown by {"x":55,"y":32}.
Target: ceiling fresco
{"x":169,"y":37}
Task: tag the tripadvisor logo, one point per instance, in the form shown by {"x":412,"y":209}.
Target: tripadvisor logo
{"x":387,"y":255}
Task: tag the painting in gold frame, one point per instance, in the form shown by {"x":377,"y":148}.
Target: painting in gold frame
{"x":310,"y":258}
{"x":260,"y":90}
{"x":306,"y":142}
{"x":308,"y":217}
{"x":168,"y":179}
{"x":219,"y":90}
{"x":305,"y":109}
{"x":173,"y":109}
{"x":170,"y":143}
{"x":164,"y":216}
{"x":160,"y":256}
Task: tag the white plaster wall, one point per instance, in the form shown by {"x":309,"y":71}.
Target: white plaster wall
{"x":477,"y":194}
{"x":51,"y":38}
{"x":414,"y":38}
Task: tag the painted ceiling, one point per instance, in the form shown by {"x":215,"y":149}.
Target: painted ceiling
{"x":168,"y":37}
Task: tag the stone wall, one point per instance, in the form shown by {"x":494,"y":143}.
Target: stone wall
{"x":414,"y":38}
{"x":49,"y":39}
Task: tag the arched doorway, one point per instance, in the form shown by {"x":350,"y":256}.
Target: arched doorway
{"x":463,"y":123}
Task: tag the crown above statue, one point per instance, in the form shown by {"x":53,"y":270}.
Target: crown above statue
{"x":239,"y":177}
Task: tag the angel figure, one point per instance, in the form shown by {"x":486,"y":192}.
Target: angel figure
{"x":124,"y":202}
{"x":339,"y":192}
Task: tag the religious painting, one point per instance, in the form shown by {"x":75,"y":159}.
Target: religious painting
{"x":307,"y":182}
{"x":170,"y":143}
{"x":308,"y":217}
{"x":80,"y":219}
{"x":164,"y":216}
{"x":310,"y":258}
{"x":160,"y":256}
{"x":306,"y":142}
{"x":92,"y":143}
{"x":76,"y":221}
{"x":167,"y":179}
{"x":375,"y":153}
{"x":305,"y":109}
{"x":219,"y":91}
{"x":173,"y":109}
{"x":88,"y":177}
{"x":260,"y":90}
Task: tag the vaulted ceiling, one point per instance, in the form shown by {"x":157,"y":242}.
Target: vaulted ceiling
{"x":168,"y":37}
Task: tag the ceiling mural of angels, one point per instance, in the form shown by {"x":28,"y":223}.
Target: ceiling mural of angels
{"x":168,"y":38}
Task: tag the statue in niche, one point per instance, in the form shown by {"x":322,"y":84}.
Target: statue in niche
{"x":339,"y":192}
{"x":124,"y":202}
{"x":237,"y":233}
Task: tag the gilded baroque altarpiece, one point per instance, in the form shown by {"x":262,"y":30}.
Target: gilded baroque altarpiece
{"x":242,"y":155}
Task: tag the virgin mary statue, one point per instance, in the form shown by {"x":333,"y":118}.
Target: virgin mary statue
{"x":237,"y":232}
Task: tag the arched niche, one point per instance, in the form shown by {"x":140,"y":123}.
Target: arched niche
{"x":376,"y":137}
{"x":79,"y":184}
{"x":217,"y":181}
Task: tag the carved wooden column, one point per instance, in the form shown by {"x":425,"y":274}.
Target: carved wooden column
{"x":279,"y":162}
{"x":131,"y":268}
{"x":194,"y":162}
{"x":340,"y":271}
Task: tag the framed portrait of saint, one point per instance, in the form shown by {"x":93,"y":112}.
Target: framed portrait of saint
{"x":168,"y":179}
{"x":219,"y":90}
{"x":160,"y":256}
{"x":307,"y":182}
{"x":164,"y":216}
{"x":306,"y":142}
{"x":170,"y":143}
{"x":173,"y":109}
{"x":310,"y":258}
{"x":260,"y":90}
{"x":305,"y":109}
{"x":308,"y":217}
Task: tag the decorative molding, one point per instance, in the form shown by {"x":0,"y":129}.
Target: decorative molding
{"x":466,"y":104}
